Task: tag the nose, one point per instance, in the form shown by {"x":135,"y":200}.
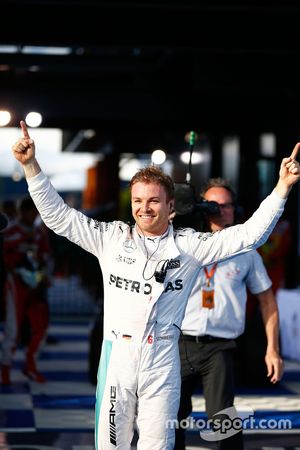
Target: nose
{"x":145,"y":206}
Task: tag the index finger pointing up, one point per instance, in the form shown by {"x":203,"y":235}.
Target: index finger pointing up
{"x":295,"y":151}
{"x":24,"y":130}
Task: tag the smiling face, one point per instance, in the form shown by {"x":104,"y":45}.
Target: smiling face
{"x":150,"y":208}
{"x":224,"y":198}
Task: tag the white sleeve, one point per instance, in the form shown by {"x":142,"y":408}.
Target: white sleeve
{"x":210,"y":247}
{"x":258,"y":279}
{"x":64,"y":220}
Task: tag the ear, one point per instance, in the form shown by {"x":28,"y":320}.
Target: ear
{"x":172,"y":212}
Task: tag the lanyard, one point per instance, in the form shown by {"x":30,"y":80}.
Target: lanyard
{"x":210,"y":274}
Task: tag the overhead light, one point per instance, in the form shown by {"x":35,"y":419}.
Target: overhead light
{"x":89,"y":134}
{"x":5,"y":117}
{"x":268,"y":144}
{"x":45,"y":50}
{"x":158,"y":157}
{"x":33,"y":119}
{"x":9,"y":49}
{"x":197,"y":157}
{"x":36,"y":50}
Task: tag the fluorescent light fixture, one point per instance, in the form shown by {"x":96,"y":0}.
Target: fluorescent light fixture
{"x":9,"y":49}
{"x":268,"y":144}
{"x":231,"y":159}
{"x":36,"y":50}
{"x":45,"y":50}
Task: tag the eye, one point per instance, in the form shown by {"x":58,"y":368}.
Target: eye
{"x":228,"y":205}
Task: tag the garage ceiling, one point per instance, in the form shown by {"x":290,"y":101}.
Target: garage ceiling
{"x":151,"y":65}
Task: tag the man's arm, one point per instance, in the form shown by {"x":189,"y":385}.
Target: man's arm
{"x":270,"y":316}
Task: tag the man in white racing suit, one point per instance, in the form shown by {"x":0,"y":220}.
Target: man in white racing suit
{"x":148,"y":273}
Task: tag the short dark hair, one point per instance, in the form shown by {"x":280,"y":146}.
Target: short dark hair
{"x":219,"y":183}
{"x":153,"y":174}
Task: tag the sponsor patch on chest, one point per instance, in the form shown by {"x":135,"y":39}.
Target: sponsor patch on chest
{"x":125,"y":259}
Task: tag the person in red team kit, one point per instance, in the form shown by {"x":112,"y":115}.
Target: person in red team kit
{"x":26,"y":251}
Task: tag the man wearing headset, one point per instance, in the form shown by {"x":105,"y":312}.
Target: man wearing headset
{"x":148,"y":274}
{"x":215,"y":316}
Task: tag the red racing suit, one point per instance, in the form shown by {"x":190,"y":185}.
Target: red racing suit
{"x":26,"y":251}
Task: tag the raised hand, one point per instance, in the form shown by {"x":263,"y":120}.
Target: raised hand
{"x":24,"y":148}
{"x":289,"y":173}
{"x":289,"y":169}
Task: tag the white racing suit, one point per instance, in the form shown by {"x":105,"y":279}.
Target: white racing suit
{"x":139,"y":371}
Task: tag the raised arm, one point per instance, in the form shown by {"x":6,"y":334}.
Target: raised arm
{"x":55,"y":212}
{"x":211,"y":247}
{"x":24,"y":152}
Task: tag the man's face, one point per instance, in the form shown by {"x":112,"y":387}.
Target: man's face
{"x":150,"y":208}
{"x":224,"y":199}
